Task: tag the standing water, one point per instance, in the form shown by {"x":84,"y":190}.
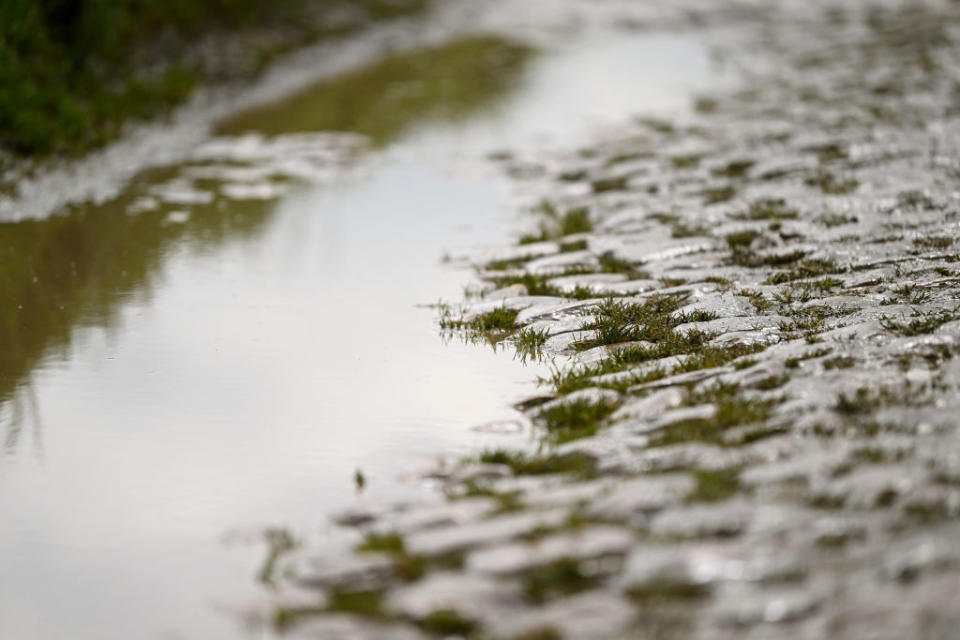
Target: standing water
{"x":223,"y":345}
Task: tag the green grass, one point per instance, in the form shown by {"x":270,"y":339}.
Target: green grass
{"x":367,"y":604}
{"x":713,"y":486}
{"x":733,"y":410}
{"x":576,"y":221}
{"x":866,"y":400}
{"x":709,"y":357}
{"x":652,"y":320}
{"x":681,"y":230}
{"x":540,"y":633}
{"x":577,"y":245}
{"x":705,"y":105}
{"x":702,"y":357}
{"x":741,"y":239}
{"x":920,"y":323}
{"x":770,"y":209}
{"x":658,"y":125}
{"x":691,"y":161}
{"x":500,"y":319}
{"x":716,"y":195}
{"x":573,"y":420}
{"x":506,"y":501}
{"x":830,"y":184}
{"x":279,"y":542}
{"x":804,"y":269}
{"x":793,"y":363}
{"x":831,"y":220}
{"x":559,"y":578}
{"x":912,"y":293}
{"x":839,"y":362}
{"x":531,"y":465}
{"x":384,"y":100}
{"x":529,"y":343}
{"x":757,"y":299}
{"x":616,"y":183}
{"x":568,"y":380}
{"x":448,"y":622}
{"x":385,"y":542}
{"x":553,"y":225}
{"x":735,"y":169}
{"x":664,"y":589}
{"x":935,"y":242}
{"x":406,"y":567}
{"x":610,"y":263}
{"x":743,"y":256}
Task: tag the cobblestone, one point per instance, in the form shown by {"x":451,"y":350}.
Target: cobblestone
{"x":774,"y":338}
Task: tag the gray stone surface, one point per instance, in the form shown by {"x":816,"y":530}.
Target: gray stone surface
{"x":796,"y":474}
{"x":518,"y":557}
{"x":348,"y":627}
{"x":473,"y":596}
{"x":443,"y":540}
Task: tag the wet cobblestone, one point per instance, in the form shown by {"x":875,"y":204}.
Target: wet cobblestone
{"x":793,"y":472}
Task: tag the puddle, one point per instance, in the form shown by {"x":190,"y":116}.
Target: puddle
{"x":225,"y":345}
{"x":449,"y":82}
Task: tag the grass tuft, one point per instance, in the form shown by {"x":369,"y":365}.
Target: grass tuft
{"x":733,"y":410}
{"x":573,"y":420}
{"x":559,"y":578}
{"x":920,"y":323}
{"x":770,"y":209}
{"x":713,"y":486}
{"x":448,"y":622}
{"x":524,"y":464}
{"x":529,"y":343}
{"x":368,"y":604}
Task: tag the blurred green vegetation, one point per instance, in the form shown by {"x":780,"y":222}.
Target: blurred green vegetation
{"x":71,"y":71}
{"x":384,"y":99}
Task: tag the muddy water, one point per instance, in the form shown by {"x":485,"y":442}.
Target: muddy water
{"x":224,"y":345}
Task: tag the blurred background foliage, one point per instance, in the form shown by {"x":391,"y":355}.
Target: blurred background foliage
{"x":72,"y":71}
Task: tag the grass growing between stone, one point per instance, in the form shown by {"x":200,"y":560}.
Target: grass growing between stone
{"x":279,"y":542}
{"x":448,"y":622}
{"x":500,"y":320}
{"x":713,"y":486}
{"x":554,"y":225}
{"x":573,"y":420}
{"x":406,"y":566}
{"x":524,"y":464}
{"x":804,"y":269}
{"x":866,"y":400}
{"x":715,"y":195}
{"x":540,"y":633}
{"x":920,"y":323}
{"x":368,"y":604}
{"x":733,"y":409}
{"x":769,"y":209}
{"x":701,"y":357}
{"x":559,"y":578}
{"x":652,"y":321}
{"x":529,"y":343}
{"x":664,"y":589}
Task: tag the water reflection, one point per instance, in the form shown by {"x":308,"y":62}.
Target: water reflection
{"x":24,"y":416}
{"x":229,"y":341}
{"x":450,"y":82}
{"x":77,"y":269}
